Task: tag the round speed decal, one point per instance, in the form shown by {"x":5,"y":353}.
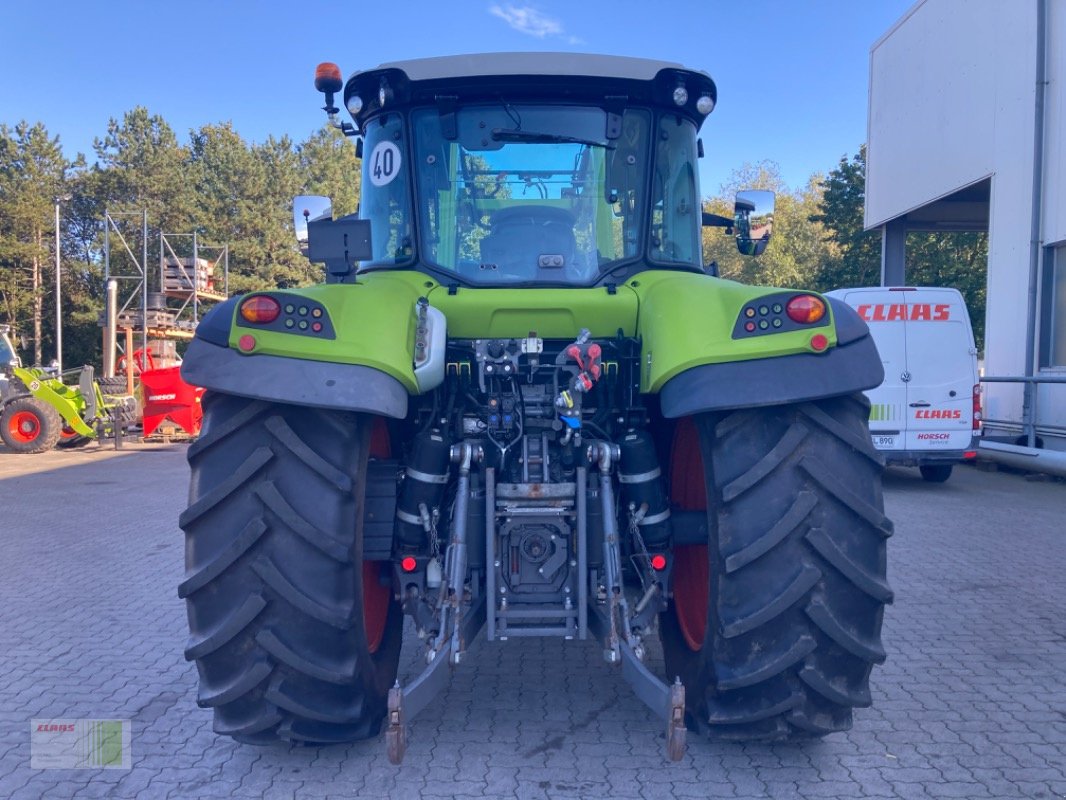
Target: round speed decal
{"x":384,"y":163}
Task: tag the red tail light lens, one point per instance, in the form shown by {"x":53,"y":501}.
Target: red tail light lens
{"x":260,"y":309}
{"x":977,"y":407}
{"x":408,"y":564}
{"x":805,"y":309}
{"x":658,"y":562}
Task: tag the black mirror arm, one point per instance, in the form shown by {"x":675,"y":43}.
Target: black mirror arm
{"x":716,"y":221}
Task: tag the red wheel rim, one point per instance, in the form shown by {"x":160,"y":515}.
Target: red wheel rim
{"x":691,"y":578}
{"x":24,"y":426}
{"x":376,"y":599}
{"x":68,"y":433}
{"x":380,"y":443}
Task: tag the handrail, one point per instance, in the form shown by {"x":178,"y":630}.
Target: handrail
{"x":1024,"y":379}
{"x":1028,"y":409}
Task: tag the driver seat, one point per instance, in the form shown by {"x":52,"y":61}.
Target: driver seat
{"x":524,"y":240}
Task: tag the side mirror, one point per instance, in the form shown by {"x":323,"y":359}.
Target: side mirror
{"x":753,"y":220}
{"x":305,"y":208}
{"x":338,"y":243}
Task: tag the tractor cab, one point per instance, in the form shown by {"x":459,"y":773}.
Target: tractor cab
{"x":8,"y":357}
{"x":527,"y":168}
{"x":8,"y":361}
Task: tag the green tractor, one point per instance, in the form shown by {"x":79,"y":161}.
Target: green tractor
{"x":39,"y":411}
{"x":522,"y":403}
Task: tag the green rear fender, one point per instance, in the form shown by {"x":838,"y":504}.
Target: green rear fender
{"x":372,"y":322}
{"x":688,"y":319}
{"x":360,"y":358}
{"x":697,"y":356}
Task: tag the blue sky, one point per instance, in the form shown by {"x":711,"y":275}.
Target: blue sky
{"x":791,"y":74}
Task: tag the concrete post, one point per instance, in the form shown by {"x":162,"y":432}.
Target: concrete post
{"x":894,"y":253}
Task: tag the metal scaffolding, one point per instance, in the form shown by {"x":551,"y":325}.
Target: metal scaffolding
{"x":135,"y":275}
{"x":190,"y":274}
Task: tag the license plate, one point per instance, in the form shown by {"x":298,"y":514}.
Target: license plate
{"x":884,"y":442}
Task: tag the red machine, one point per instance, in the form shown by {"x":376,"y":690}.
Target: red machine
{"x":167,"y":396}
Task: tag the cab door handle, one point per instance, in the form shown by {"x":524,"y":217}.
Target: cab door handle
{"x":920,"y":405}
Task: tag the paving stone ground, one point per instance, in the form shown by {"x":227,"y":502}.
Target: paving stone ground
{"x":971,"y":702}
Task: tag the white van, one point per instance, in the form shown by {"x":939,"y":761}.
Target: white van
{"x":927,"y":413}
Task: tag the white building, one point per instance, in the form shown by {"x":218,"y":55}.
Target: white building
{"x":967,"y":131}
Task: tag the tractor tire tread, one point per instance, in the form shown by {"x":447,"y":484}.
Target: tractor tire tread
{"x":797,"y":562}
{"x":274,"y":600}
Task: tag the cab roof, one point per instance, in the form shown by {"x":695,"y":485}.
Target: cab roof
{"x":563,"y":77}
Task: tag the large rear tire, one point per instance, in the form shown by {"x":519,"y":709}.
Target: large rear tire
{"x":295,"y":637}
{"x":29,"y":425}
{"x":775,"y":625}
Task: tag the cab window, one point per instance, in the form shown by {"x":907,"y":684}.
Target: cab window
{"x":385,"y":199}
{"x":676,"y":211}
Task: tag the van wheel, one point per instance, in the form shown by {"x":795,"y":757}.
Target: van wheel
{"x":936,"y":473}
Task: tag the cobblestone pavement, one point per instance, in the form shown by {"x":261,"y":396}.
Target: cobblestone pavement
{"x":971,"y":703}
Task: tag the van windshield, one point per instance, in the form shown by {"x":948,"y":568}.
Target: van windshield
{"x":529,"y":194}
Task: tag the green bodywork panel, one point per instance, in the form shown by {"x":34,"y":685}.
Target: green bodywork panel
{"x":66,"y":400}
{"x":687,"y":320}
{"x":684,"y":319}
{"x":552,"y":313}
{"x":374,"y":320}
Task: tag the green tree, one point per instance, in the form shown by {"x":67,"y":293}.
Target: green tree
{"x":230,"y":184}
{"x":142,"y":166}
{"x":330,"y":168}
{"x":958,"y":259}
{"x":798,"y":248}
{"x":281,"y":161}
{"x":33,"y":173}
{"x":858,"y":261}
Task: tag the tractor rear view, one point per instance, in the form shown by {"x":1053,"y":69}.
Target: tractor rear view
{"x":521,"y":403}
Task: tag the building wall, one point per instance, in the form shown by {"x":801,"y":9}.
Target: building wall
{"x":952,"y":93}
{"x":938,"y":80}
{"x":1051,"y":402}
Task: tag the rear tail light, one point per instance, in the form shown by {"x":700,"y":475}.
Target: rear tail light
{"x":658,"y":562}
{"x":408,"y":564}
{"x":977,"y":408}
{"x":805,"y":309}
{"x":260,"y":309}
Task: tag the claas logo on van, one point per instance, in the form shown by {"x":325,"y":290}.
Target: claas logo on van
{"x":897,"y":312}
{"x":936,"y":413}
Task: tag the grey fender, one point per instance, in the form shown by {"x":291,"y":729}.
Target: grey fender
{"x":854,"y":365}
{"x":211,"y":363}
